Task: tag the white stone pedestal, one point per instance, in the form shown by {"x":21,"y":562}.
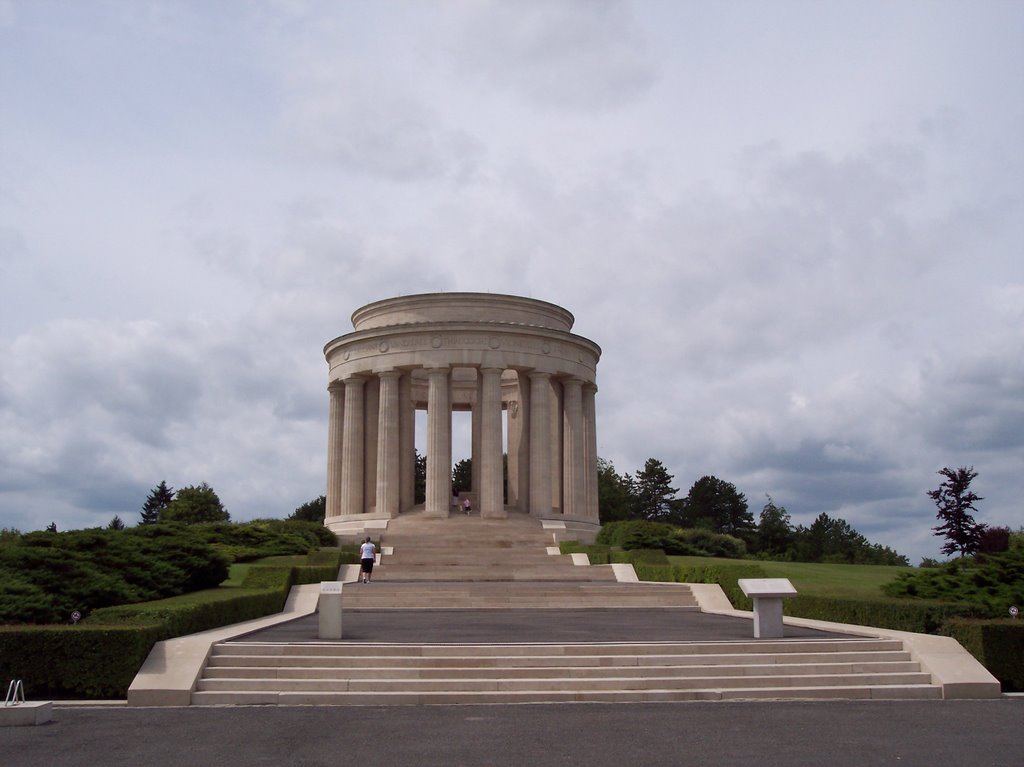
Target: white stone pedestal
{"x":330,"y":610}
{"x":767,"y":594}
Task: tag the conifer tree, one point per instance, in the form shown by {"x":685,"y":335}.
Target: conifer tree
{"x":955,"y":501}
{"x":158,"y":500}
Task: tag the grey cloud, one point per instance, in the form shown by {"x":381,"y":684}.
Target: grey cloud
{"x":565,"y":54}
{"x":376,"y":131}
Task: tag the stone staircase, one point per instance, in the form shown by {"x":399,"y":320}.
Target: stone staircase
{"x":376,"y":674}
{"x":469,"y":563}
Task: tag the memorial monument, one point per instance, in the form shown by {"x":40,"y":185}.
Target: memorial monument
{"x":509,"y":360}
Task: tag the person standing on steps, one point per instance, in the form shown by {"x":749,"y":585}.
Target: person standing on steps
{"x":467,"y":506}
{"x":367,"y":554}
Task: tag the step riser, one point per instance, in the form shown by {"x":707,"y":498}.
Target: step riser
{"x":547,"y":685}
{"x":550,"y":672}
{"x":760,"y":648}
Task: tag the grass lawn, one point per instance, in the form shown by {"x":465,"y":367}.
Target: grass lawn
{"x":813,"y":578}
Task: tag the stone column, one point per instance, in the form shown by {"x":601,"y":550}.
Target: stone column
{"x":352,"y":449}
{"x":522,"y":420}
{"x":492,"y":502}
{"x":387,"y":445}
{"x":540,"y":444}
{"x":557,"y":442}
{"x":406,"y":444}
{"x":476,"y":444}
{"x":590,"y":449}
{"x":574,"y":488}
{"x":371,"y":407}
{"x":439,"y":443}
{"x":335,"y":427}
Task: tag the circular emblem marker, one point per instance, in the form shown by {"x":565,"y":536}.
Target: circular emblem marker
{"x":347,"y":354}
{"x":382,"y":346}
{"x":546,"y":347}
{"x":1014,"y":612}
{"x":494,"y":342}
{"x":76,"y":616}
{"x":436,"y":342}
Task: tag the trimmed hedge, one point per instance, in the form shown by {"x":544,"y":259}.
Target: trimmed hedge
{"x":997,"y":644}
{"x":901,"y":615}
{"x":100,"y":657}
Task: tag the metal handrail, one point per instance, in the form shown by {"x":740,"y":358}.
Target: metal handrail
{"x":15,"y":693}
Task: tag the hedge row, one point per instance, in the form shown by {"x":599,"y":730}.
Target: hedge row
{"x":997,"y":644}
{"x":100,"y":657}
{"x":901,"y":615}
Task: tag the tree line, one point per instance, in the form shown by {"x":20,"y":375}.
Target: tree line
{"x":716,"y":505}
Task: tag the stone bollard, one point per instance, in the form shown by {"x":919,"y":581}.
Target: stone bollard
{"x":329,"y":607}
{"x":767,"y":594}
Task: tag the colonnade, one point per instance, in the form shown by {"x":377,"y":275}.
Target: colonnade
{"x":551,"y":437}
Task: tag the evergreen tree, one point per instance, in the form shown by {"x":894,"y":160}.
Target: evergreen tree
{"x":955,"y":501}
{"x":614,"y":500}
{"x":774,"y":530}
{"x":717,"y":505}
{"x":116,"y":523}
{"x":462,"y":476}
{"x":311,"y":511}
{"x":158,"y":500}
{"x":652,"y":491}
{"x":420,"y":488}
{"x":195,"y":504}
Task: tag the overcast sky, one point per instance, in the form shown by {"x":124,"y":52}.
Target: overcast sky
{"x":795,"y":229}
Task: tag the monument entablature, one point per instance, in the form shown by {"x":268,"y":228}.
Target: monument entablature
{"x":500,"y":357}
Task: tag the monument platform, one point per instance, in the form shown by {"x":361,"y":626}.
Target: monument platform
{"x":408,"y":639}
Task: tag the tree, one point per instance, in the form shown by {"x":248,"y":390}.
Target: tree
{"x":157,"y":500}
{"x":774,"y":530}
{"x":116,"y":523}
{"x":955,"y":501}
{"x":311,"y":511}
{"x":420,"y":482}
{"x":652,"y":491}
{"x":462,"y":476}
{"x":193,"y":504}
{"x":716,"y":504}
{"x":614,"y":500}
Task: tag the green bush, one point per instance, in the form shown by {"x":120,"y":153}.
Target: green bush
{"x":636,"y":534}
{"x":100,"y":657}
{"x":995,"y":580}
{"x":700,"y":542}
{"x":639,"y":557}
{"x":899,"y":614}
{"x":643,"y":534}
{"x":997,"y":644}
{"x":45,"y":576}
{"x":726,"y":576}
{"x":75,"y":661}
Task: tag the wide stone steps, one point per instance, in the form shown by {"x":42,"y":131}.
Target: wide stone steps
{"x":339,"y":674}
{"x":382,"y":594}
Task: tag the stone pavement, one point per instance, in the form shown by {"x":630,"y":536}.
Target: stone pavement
{"x":795,"y":734}
{"x":528,"y":626}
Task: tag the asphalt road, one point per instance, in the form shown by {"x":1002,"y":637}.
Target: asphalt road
{"x":836,"y":734}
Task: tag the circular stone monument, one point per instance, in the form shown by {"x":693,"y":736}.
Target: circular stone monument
{"x":511,"y":361}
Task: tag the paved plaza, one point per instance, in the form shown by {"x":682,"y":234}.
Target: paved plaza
{"x":795,"y":734}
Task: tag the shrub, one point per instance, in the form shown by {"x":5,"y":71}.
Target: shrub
{"x":995,"y":580}
{"x":701,"y":542}
{"x":100,"y":657}
{"x":636,"y":534}
{"x":45,"y":576}
{"x":997,"y":644}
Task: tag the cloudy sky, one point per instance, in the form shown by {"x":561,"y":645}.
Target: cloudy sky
{"x":795,"y":229}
